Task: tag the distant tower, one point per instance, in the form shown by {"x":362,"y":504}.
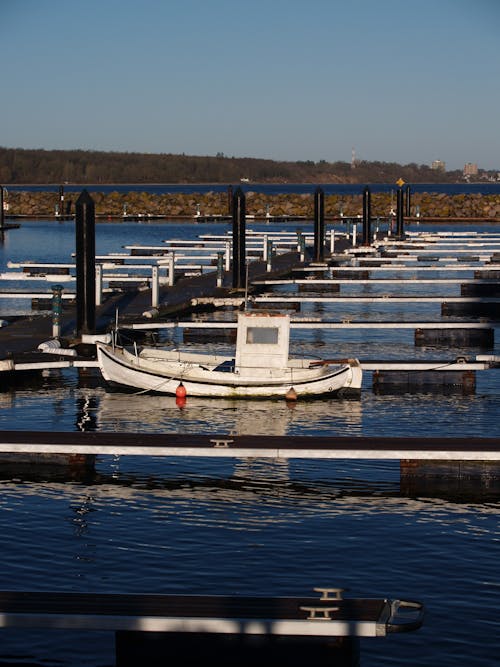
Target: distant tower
{"x":353,"y":159}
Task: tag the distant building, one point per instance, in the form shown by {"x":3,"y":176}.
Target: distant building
{"x":470,"y":169}
{"x":438,"y":165}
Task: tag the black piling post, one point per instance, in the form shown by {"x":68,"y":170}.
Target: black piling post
{"x":2,"y":213}
{"x":408,"y":201}
{"x":399,"y":215}
{"x":319,"y":225}
{"x":239,"y":232}
{"x":367,"y":216}
{"x":85,"y":263}
{"x":61,"y":201}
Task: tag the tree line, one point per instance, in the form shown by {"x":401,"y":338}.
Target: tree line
{"x":38,"y":166}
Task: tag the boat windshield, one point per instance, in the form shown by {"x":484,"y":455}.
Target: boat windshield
{"x":262,"y":335}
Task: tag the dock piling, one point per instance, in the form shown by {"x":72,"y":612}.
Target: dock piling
{"x":220,"y":268}
{"x":319,"y":225}
{"x":98,"y":284}
{"x":56,"y":310}
{"x":2,"y":212}
{"x":85,"y":264}
{"x":60,"y":207}
{"x":408,"y":201}
{"x":366,"y":216}
{"x":399,"y":215}
{"x":239,"y":231}
{"x":155,"y":287}
{"x":269,"y":255}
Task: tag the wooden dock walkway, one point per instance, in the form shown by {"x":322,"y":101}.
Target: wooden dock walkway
{"x":254,"y":446}
{"x":156,"y":629}
{"x":202,"y":291}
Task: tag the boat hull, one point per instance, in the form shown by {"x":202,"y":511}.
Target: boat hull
{"x":119,"y":368}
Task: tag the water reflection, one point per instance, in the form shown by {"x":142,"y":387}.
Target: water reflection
{"x":150,"y":413}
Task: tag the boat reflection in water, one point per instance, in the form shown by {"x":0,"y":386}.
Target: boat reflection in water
{"x":160,"y":414}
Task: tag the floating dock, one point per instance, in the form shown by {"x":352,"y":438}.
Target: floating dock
{"x":154,"y":629}
{"x":243,"y":446}
{"x":209,"y":290}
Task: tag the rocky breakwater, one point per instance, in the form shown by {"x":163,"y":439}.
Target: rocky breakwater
{"x":117,"y":205}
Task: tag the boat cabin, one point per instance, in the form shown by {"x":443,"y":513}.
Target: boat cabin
{"x":262,"y":341}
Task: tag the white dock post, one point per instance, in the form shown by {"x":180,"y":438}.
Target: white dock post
{"x":228,"y":256}
{"x":269,"y":253}
{"x":155,"y":287}
{"x":332,"y":241}
{"x":220,"y":268}
{"x":98,"y":284}
{"x":302,"y":247}
{"x":354,"y":233}
{"x":264,"y":248}
{"x":56,"y":310}
{"x":171,"y":268}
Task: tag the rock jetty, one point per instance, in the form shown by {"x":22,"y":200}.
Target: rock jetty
{"x":430,"y":206}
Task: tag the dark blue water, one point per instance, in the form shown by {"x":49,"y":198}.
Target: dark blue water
{"x":253,"y":526}
{"x":271,"y":188}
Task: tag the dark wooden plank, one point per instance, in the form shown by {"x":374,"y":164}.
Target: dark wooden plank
{"x":202,"y":606}
{"x":203,"y":440}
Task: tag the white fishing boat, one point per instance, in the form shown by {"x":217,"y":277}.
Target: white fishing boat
{"x":260,"y":368}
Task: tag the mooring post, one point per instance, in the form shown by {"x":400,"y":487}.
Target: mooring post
{"x":56,"y":310}
{"x":85,"y":264}
{"x":239,"y":231}
{"x":302,"y":248}
{"x":264,"y":247}
{"x":155,"y":287}
{"x":2,"y":212}
{"x":60,"y":208}
{"x":399,"y":215}
{"x":171,"y":269}
{"x":408,"y":201}
{"x":269,"y":255}
{"x":220,"y":268}
{"x":367,"y":232}
{"x":332,"y":241}
{"x":98,"y":284}
{"x":319,"y":225}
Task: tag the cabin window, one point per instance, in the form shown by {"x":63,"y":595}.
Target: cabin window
{"x":262,"y":335}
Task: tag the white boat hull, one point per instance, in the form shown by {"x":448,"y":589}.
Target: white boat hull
{"x":163,"y":376}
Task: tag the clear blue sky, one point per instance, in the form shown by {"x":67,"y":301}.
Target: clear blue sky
{"x":282,"y":79}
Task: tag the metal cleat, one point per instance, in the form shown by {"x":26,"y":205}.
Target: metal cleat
{"x":221,"y":442}
{"x":319,"y":613}
{"x":330,"y":593}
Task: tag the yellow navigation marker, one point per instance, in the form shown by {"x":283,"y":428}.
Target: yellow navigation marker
{"x":400,"y":182}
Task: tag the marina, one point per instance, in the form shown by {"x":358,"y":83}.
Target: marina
{"x":265,"y":475}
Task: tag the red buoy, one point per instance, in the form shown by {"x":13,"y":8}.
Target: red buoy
{"x":180,"y":392}
{"x":291,"y":395}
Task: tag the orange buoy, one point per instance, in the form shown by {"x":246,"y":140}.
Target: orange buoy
{"x":180,"y":392}
{"x":291,"y":395}
{"x":180,"y":401}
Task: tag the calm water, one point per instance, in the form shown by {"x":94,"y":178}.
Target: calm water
{"x":253,"y":526}
{"x":273,"y":188}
